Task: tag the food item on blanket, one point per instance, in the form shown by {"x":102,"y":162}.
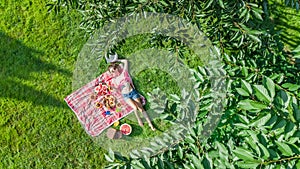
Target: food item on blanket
{"x":102,"y":89}
{"x":110,"y":98}
{"x":93,"y":97}
{"x":97,"y":89}
{"x":109,"y":101}
{"x":125,"y":129}
{"x":118,"y":109}
{"x":116,"y":123}
{"x":112,"y":104}
{"x":99,"y":105}
{"x":106,"y":104}
{"x":119,"y":105}
{"x":109,"y":88}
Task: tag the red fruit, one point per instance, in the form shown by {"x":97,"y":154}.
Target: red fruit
{"x":125,"y":129}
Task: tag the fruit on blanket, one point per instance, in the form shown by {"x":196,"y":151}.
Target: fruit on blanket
{"x":118,"y":109}
{"x":93,"y":97}
{"x":125,"y":129}
{"x":102,"y":89}
{"x":109,"y":101}
{"x":99,"y":105}
{"x":112,"y":104}
{"x":116,"y":123}
{"x":97,"y":89}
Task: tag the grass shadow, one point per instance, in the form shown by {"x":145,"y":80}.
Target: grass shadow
{"x":136,"y":130}
{"x":18,"y":64}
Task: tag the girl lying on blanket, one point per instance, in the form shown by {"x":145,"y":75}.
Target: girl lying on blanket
{"x":123,"y":82}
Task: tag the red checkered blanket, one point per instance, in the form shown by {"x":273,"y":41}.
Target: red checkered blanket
{"x":97,"y":106}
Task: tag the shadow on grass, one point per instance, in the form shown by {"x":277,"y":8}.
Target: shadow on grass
{"x":17,"y":63}
{"x":286,"y":19}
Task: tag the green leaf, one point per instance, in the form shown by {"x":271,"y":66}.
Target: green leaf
{"x":108,"y":158}
{"x":243,"y":154}
{"x":180,"y":152}
{"x":214,"y":154}
{"x":175,"y":98}
{"x":137,"y":164}
{"x":241,"y":125}
{"x":246,"y":104}
{"x":253,"y":145}
{"x":190,"y":139}
{"x":296,"y":112}
{"x":245,"y":10}
{"x":246,"y":86}
{"x":257,"y":15}
{"x":265,"y":151}
{"x":159,"y":110}
{"x":111,"y":154}
{"x":196,"y":161}
{"x":270,"y":85}
{"x":297,"y":49}
{"x":221,"y":4}
{"x":283,"y":98}
{"x":242,"y":164}
{"x":279,"y":124}
{"x":242,"y":92}
{"x":255,"y":38}
{"x":247,"y":16}
{"x":253,"y":135}
{"x":251,"y":105}
{"x":262,"y":94}
{"x":297,"y":56}
{"x":202,"y":70}
{"x":160,"y":163}
{"x":136,"y":154}
{"x":208,"y":4}
{"x":284,"y":148}
{"x":298,"y":164}
{"x":289,"y":129}
{"x":164,"y":3}
{"x":207,"y":163}
{"x":261,"y":121}
{"x":198,"y":76}
{"x":245,"y":71}
{"x":272,"y":121}
{"x":291,"y":87}
{"x":221,"y":147}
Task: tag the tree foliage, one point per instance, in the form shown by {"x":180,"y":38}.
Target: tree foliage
{"x":260,"y":124}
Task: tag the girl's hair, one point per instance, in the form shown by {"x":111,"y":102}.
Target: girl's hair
{"x":113,"y":66}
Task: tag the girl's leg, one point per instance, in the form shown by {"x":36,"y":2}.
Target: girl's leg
{"x":140,"y":108}
{"x":134,"y":106}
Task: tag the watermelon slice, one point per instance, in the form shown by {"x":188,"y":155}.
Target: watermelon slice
{"x":125,"y":129}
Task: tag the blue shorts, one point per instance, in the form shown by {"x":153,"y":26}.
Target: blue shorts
{"x":132,"y":95}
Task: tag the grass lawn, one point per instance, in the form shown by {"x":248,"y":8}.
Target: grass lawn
{"x":38,"y":51}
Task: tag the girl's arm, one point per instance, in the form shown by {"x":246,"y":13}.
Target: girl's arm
{"x":125,"y":64}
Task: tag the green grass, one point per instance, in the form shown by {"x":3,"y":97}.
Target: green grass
{"x":38,"y":51}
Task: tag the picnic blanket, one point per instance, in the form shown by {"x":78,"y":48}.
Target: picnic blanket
{"x":97,"y":105}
